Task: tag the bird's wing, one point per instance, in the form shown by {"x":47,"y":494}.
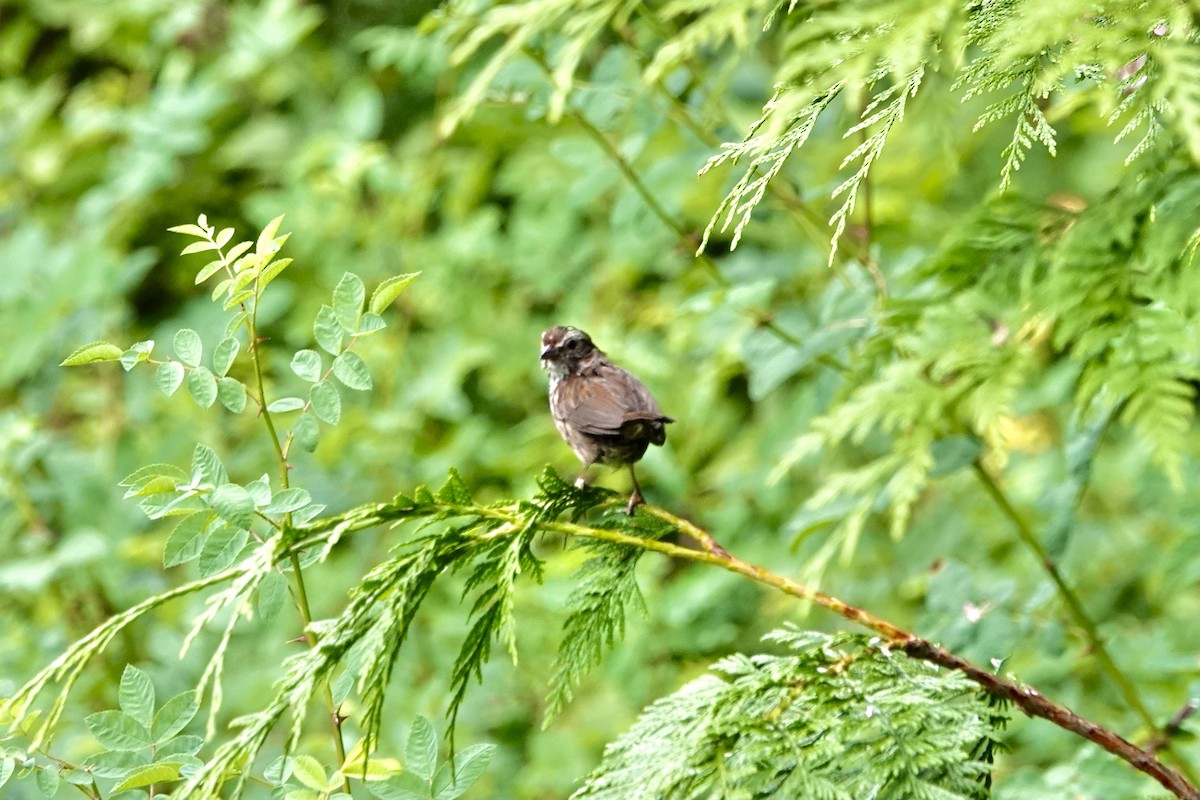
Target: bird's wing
{"x":603,"y":403}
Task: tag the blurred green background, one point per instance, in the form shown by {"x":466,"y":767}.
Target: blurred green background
{"x":121,"y":119}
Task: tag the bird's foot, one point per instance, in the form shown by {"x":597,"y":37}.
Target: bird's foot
{"x":635,"y":500}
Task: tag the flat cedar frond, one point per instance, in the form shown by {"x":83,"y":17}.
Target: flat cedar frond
{"x":837,"y":717}
{"x":607,"y":584}
{"x":1020,"y":56}
{"x":495,"y":550}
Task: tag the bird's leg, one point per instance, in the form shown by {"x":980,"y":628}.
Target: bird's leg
{"x":581,"y":481}
{"x":636,"y":498}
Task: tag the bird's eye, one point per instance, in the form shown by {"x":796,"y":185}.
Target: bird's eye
{"x":573,"y":345}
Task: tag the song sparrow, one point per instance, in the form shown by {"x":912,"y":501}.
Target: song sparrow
{"x":604,"y":413}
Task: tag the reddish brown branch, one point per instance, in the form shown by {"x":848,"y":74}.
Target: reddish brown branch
{"x":1029,"y":700}
{"x":1035,"y":705}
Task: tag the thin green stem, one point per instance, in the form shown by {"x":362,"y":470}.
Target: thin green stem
{"x":256,"y":360}
{"x":88,"y":790}
{"x":301,"y":591}
{"x":630,"y":174}
{"x":813,"y":224}
{"x":1074,"y":606}
{"x":1079,"y":614}
{"x":810,"y":221}
{"x":865,"y":257}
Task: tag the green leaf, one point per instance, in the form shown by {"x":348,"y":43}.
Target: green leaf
{"x":352,"y":371}
{"x":197,"y":247}
{"x":1080,"y":451}
{"x":272,"y":272}
{"x":405,"y":786}
{"x":136,"y":695}
{"x":278,"y":771}
{"x":208,"y":270}
{"x":7,"y":766}
{"x":307,"y":432}
{"x":468,"y":766}
{"x":232,"y":393}
{"x":272,"y":594}
{"x":202,"y":385}
{"x":359,"y":764}
{"x":260,"y":491}
{"x":420,"y":754}
{"x":93,"y":353}
{"x":222,"y":548}
{"x":771,"y":362}
{"x":162,"y":772}
{"x":236,"y":252}
{"x":309,"y":772}
{"x":370,"y":323}
{"x":386,"y":292}
{"x":184,"y":745}
{"x":287,"y":500}
{"x":234,"y":323}
{"x":136,"y":354}
{"x":187,"y":539}
{"x":188,"y":346}
{"x":232,"y":504}
{"x":139,"y":477}
{"x":224,"y":354}
{"x":286,"y":404}
{"x":307,"y":364}
{"x":952,"y":453}
{"x":158,"y":485}
{"x":242,"y":281}
{"x":237,"y":299}
{"x":78,"y":777}
{"x":116,"y":730}
{"x":114,"y":764}
{"x":326,"y":402}
{"x":348,"y":298}
{"x":174,"y":716}
{"x":48,"y":780}
{"x":266,"y":239}
{"x":207,"y":468}
{"x":327,"y":331}
{"x":169,"y":376}
{"x":305,"y":515}
{"x":189,"y":230}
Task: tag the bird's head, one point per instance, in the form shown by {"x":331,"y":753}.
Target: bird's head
{"x":564,"y":350}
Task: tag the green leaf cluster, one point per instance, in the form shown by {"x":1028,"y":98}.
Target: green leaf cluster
{"x":838,"y":717}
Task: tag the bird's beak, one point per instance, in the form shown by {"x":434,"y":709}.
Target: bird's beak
{"x":546,"y":351}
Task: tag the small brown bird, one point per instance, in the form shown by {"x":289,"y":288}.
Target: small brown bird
{"x":605,"y":414}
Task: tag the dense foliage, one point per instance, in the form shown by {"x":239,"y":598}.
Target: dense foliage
{"x":916,"y":278}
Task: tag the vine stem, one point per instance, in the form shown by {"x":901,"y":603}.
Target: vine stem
{"x":1026,"y":698}
{"x":301,"y":591}
{"x":1074,"y":605}
{"x":675,"y":226}
{"x":812,"y":223}
{"x":1078,"y":613}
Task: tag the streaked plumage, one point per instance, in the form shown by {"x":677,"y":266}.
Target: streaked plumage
{"x":603,"y":412}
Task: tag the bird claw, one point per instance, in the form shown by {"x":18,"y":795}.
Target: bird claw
{"x":635,"y":500}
